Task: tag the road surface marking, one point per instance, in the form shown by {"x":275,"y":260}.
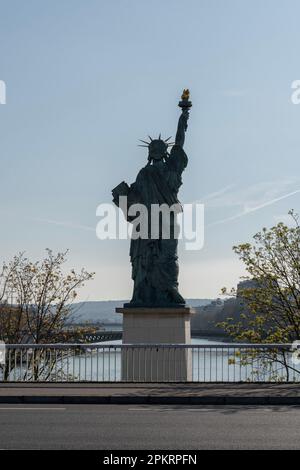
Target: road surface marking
{"x":31,"y":409}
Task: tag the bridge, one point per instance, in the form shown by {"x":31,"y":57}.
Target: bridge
{"x":101,"y":336}
{"x":106,"y":335}
{"x":208,"y":333}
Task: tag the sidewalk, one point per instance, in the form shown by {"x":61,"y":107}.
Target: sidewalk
{"x":124,"y":393}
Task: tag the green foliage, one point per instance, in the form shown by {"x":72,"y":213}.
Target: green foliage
{"x":270,"y":301}
{"x":36,"y":299}
{"x":271,"y":305}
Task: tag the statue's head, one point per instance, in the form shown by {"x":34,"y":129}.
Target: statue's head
{"x":158,"y":148}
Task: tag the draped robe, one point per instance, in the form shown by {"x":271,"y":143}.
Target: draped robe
{"x":154,"y":261}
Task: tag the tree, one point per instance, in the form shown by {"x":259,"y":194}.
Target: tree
{"x":270,"y":304}
{"x":36,"y":301}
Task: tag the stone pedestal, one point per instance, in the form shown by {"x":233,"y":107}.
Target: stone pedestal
{"x":156,"y":326}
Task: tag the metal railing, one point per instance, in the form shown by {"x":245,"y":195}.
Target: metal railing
{"x":150,"y":363}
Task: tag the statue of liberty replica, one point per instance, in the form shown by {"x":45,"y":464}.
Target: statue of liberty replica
{"x":154,"y":259}
{"x":157,"y":313}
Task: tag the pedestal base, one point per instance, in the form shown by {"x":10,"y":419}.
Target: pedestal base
{"x":156,"y":326}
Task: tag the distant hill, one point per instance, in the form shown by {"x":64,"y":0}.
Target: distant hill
{"x":104,"y":310}
{"x":207,"y":317}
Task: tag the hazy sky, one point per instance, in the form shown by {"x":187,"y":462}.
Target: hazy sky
{"x":87,"y":79}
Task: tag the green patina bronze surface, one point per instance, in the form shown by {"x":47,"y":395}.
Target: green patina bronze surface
{"x":154,"y":261}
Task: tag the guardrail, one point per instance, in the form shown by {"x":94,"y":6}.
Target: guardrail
{"x":150,"y":363}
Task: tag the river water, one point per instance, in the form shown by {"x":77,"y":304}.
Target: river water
{"x":209,"y":364}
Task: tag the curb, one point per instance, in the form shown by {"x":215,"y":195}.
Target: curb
{"x":148,"y":400}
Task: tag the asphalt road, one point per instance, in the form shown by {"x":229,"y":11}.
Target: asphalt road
{"x":149,"y":427}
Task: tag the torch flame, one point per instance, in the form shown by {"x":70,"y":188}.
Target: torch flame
{"x":185,"y":94}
